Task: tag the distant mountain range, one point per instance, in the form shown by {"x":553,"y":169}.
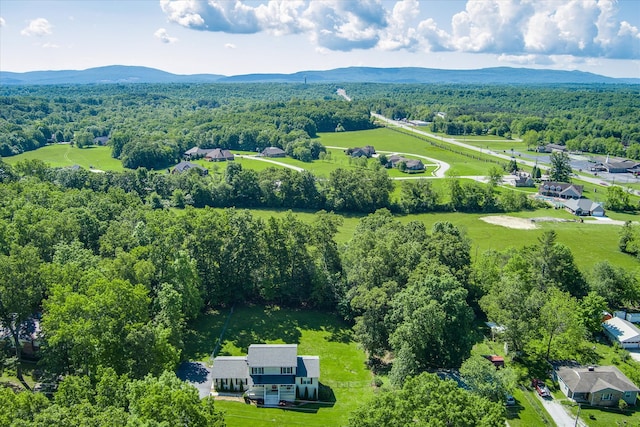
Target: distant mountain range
{"x":129,"y":74}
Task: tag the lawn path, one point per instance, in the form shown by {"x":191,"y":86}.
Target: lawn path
{"x":224,"y":329}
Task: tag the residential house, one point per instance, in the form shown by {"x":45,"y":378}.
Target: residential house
{"x":195,"y":153}
{"x":185,"y":166}
{"x":563,"y":190}
{"x":410,"y":165}
{"x":366,"y":151}
{"x":273,"y":152}
{"x":101,"y":140}
{"x":584,"y":207}
{"x":269,"y":373}
{"x":520,"y":179}
{"x":219,"y":155}
{"x":596,"y":386}
{"x":623,"y":332}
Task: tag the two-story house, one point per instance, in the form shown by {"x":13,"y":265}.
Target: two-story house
{"x":269,"y":373}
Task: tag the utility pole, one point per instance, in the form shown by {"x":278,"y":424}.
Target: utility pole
{"x":577,"y":416}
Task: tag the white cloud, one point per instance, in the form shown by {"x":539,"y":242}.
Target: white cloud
{"x":37,"y":27}
{"x":2,"y":22}
{"x":513,"y":28}
{"x":50,"y":46}
{"x":399,"y":34}
{"x":164,"y":37}
{"x":230,"y":46}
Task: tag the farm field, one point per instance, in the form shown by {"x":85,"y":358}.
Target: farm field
{"x":342,"y":363}
{"x":62,"y":155}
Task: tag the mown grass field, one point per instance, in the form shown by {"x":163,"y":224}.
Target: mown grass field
{"x":61,"y":155}
{"x":342,"y":364}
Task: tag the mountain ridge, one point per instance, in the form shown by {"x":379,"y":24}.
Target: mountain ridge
{"x":123,"y":74}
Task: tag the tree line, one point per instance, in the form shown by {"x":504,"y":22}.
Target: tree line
{"x":362,"y":190}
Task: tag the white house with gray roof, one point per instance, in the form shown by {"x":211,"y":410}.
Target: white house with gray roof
{"x":269,"y":373}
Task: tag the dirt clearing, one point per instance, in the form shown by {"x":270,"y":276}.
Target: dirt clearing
{"x":510,"y":222}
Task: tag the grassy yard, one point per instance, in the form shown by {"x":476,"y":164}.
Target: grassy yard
{"x":61,"y":155}
{"x":601,"y":417}
{"x":342,"y":364}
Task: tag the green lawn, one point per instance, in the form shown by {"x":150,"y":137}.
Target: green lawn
{"x":61,"y":155}
{"x":342,"y":364}
{"x":600,"y":417}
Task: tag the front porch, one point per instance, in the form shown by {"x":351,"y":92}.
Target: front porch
{"x":272,"y":394}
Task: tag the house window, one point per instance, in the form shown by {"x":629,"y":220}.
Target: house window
{"x":286,"y":370}
{"x":306,"y":381}
{"x":257,"y":371}
{"x":606,"y":396}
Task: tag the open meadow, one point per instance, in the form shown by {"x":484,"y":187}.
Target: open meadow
{"x":64,"y":155}
{"x":343,"y":371}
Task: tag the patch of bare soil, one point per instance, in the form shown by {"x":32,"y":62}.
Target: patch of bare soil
{"x":510,"y":222}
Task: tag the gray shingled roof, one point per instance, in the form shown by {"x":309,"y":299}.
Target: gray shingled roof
{"x":308,"y":366}
{"x":582,"y":380}
{"x":270,"y":355}
{"x":272,"y":151}
{"x":585,"y":205}
{"x":230,"y":367}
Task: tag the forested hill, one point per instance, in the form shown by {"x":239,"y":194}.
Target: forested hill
{"x":129,"y":74}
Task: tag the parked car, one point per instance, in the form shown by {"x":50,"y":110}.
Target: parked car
{"x":541,"y":387}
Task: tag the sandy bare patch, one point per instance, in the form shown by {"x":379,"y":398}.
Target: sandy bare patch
{"x":510,"y":222}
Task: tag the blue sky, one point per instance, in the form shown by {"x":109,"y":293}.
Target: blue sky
{"x":284,"y":36}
